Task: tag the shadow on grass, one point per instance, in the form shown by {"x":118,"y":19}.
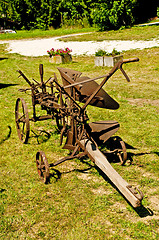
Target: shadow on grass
{"x":56,"y":174}
{"x":157,"y":153}
{"x":41,"y":136}
{"x":3,"y":58}
{"x":114,"y":142}
{"x":6,"y":137}
{"x":2,"y":190}
{"x":131,"y":155}
{"x":4,"y":85}
{"x":141,"y":211}
{"x":114,"y":157}
{"x":112,"y":147}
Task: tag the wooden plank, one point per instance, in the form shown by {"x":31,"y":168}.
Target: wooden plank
{"x":101,"y":161}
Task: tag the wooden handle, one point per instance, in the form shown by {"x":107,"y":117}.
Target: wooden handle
{"x":101,"y":161}
{"x":130,"y":60}
{"x":41,"y":69}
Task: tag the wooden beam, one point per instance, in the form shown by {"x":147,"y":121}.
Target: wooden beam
{"x":133,"y":195}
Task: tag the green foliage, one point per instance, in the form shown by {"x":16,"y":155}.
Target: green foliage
{"x":74,"y":10}
{"x":102,"y":52}
{"x":33,"y":13}
{"x":113,"y":14}
{"x":158,"y":12}
{"x":115,"y":52}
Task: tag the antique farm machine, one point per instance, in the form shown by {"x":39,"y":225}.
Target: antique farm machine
{"x":67,"y":103}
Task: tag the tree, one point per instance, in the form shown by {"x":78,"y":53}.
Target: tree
{"x":113,"y":14}
{"x":118,"y":13}
{"x":32,"y":13}
{"x":73,"y":11}
{"x":105,"y":14}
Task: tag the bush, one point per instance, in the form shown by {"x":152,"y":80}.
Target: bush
{"x":101,"y":52}
{"x":105,"y":14}
{"x":114,"y":15}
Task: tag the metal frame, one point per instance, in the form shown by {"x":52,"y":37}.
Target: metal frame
{"x":62,"y":103}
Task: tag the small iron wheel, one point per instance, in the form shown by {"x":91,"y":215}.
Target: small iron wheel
{"x":122,"y":153}
{"x":22,"y":120}
{"x":42,"y":167}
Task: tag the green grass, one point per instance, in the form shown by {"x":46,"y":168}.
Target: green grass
{"x":81,"y":204}
{"x":23,"y":34}
{"x":134,"y":33}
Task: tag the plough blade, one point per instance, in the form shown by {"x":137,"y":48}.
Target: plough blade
{"x":85,"y":89}
{"x":102,"y":99}
{"x":133,"y":195}
{"x":103,"y":130}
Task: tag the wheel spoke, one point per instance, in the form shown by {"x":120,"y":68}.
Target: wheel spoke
{"x":23,"y":127}
{"x":122,"y":154}
{"x":42,"y":166}
{"x":22,"y":120}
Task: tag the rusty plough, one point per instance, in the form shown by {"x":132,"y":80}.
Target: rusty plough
{"x":67,"y":103}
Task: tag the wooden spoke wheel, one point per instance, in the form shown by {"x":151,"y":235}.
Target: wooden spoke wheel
{"x":42,"y":167}
{"x":22,"y":120}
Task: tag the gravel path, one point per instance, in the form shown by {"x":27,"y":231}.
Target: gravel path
{"x":39,"y":47}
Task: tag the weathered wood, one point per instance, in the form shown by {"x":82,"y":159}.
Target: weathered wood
{"x":61,"y":59}
{"x":100,"y":160}
{"x":110,"y":61}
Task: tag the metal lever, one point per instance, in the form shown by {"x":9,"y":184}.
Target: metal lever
{"x":41,"y":76}
{"x":127,"y":61}
{"x":124,"y":73}
{"x":41,"y":71}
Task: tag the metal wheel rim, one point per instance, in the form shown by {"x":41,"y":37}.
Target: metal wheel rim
{"x":42,"y":167}
{"x":22,"y":119}
{"x":123,"y":155}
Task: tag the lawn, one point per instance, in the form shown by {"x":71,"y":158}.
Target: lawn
{"x":37,"y":33}
{"x":80,"y":202}
{"x":137,"y":33}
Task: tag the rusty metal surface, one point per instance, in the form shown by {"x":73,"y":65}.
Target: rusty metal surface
{"x":102,"y":99}
{"x":42,"y":166}
{"x":63,"y":104}
{"x":103,"y":130}
{"x":22,"y":120}
{"x":85,"y":89}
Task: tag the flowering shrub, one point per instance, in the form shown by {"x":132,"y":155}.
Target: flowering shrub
{"x":60,"y":51}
